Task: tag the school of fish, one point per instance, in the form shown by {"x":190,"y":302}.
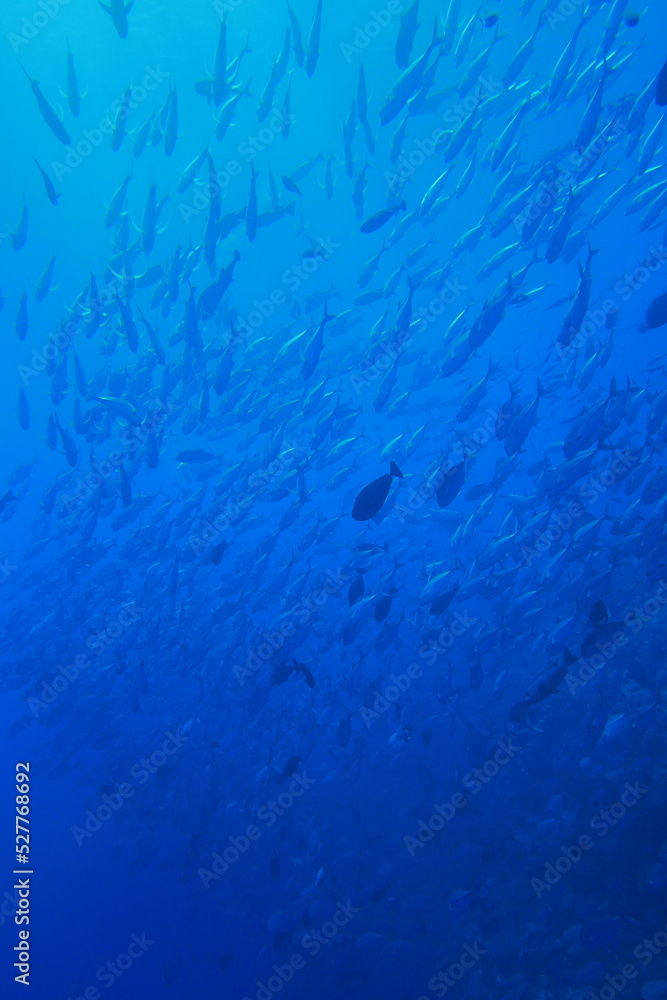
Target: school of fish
{"x":348,"y":472}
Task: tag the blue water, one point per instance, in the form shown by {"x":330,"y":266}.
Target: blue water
{"x":333,"y":601}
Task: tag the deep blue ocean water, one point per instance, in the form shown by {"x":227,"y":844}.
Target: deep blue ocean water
{"x":332,"y":552}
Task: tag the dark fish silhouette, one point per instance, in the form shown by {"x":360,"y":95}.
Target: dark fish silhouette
{"x":380,"y":219}
{"x":661,"y":87}
{"x":598,"y":613}
{"x":373,"y":496}
{"x":454,"y":480}
{"x":656,"y":314}
{"x":195,"y":456}
{"x":441,"y":603}
{"x":357,"y":589}
{"x":118,"y":11}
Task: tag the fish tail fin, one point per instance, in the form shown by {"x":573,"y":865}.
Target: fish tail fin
{"x":395,"y":471}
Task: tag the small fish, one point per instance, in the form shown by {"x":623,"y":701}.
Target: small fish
{"x":47,"y":112}
{"x":302,"y":669}
{"x":120,"y":121}
{"x":251,"y":213}
{"x":73,"y":97}
{"x":357,"y":590}
{"x":383,"y":607}
{"x":313,"y":47}
{"x":195,"y":456}
{"x":24,"y":411}
{"x":614,"y":727}
{"x":20,"y":234}
{"x":44,"y":286}
{"x":375,"y":222}
{"x":297,"y":38}
{"x":598,"y":613}
{"x":656,"y":314}
{"x":48,"y":185}
{"x":440,"y":604}
{"x":290,"y":186}
{"x":217,"y":553}
{"x":118,"y":11}
{"x":171,"y":131}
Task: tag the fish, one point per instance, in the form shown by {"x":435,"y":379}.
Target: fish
{"x":251,"y":213}
{"x":73,"y":96}
{"x":47,"y":112}
{"x":320,"y":677}
{"x":656,"y":314}
{"x":313,"y":46}
{"x":24,"y":410}
{"x":195,"y":456}
{"x":171,"y":131}
{"x":381,"y":218}
{"x":44,"y":285}
{"x":20,"y":234}
{"x":406,"y":35}
{"x":371,"y":499}
{"x":290,"y":186}
{"x":49,"y":186}
{"x":118,"y":11}
{"x":661,"y":87}
{"x":119,"y":127}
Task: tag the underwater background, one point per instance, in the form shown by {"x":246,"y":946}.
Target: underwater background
{"x":332,"y":550}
